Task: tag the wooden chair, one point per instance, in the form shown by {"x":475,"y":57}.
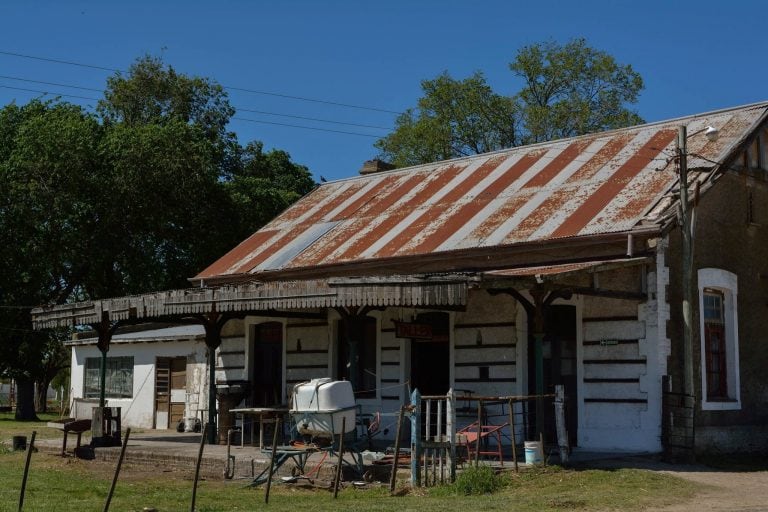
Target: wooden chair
{"x":474,"y":434}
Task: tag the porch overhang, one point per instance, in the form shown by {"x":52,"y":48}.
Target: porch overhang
{"x":448,"y":290}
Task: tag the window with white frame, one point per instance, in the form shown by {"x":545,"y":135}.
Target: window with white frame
{"x":718,"y":314}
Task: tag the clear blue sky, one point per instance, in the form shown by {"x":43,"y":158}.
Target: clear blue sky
{"x":693,"y":56}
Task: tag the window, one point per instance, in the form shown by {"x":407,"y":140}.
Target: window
{"x":365,"y":349}
{"x":714,"y":344}
{"x":119,"y":377}
{"x":719,"y":339}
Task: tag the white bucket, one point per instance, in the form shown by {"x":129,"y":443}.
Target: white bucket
{"x":534,"y":452}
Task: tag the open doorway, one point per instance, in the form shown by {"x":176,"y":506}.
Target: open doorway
{"x":430,"y":358}
{"x":267,"y":379}
{"x":560,"y":361}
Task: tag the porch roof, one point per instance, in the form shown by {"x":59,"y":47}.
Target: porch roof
{"x":561,"y":270}
{"x":251,"y":298}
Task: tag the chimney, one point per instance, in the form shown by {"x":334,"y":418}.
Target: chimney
{"x":375,"y":165}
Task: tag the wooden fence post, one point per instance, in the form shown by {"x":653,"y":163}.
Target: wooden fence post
{"x":416,"y":438}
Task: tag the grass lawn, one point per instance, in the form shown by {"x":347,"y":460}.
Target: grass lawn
{"x":57,"y":484}
{"x":9,"y":427}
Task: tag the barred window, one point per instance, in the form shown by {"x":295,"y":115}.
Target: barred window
{"x":119,"y":377}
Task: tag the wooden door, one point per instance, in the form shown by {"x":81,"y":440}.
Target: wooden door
{"x":162,"y":392}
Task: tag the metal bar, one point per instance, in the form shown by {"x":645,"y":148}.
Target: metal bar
{"x":393,"y":475}
{"x":272,"y":460}
{"x":341,"y":457}
{"x":30,"y":448}
{"x":440,"y":438}
{"x":512,"y":431}
{"x":117,"y":470}
{"x":197,"y":467}
{"x":479,"y":430}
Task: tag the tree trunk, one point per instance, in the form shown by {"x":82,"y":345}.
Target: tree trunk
{"x":25,"y":400}
{"x":41,"y":395}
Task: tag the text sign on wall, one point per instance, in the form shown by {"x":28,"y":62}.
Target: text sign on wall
{"x":413,"y":331}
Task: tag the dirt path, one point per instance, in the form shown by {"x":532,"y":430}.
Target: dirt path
{"x":722,"y":490}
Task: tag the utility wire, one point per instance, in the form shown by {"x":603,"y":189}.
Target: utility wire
{"x":231,"y":88}
{"x":47,"y":92}
{"x":320,"y":120}
{"x":232,"y":118}
{"x":305,"y":127}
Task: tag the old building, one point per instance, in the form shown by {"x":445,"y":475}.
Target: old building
{"x":505,"y":274}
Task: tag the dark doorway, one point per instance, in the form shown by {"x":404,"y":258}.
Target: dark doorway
{"x":267,"y":378}
{"x":560,"y":363}
{"x":363,"y":332}
{"x":430,"y":359}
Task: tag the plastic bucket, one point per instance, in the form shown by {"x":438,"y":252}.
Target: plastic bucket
{"x":534,"y":453}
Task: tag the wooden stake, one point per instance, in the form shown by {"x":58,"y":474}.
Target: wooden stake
{"x":30,"y":447}
{"x":341,"y":457}
{"x":272,"y":460}
{"x":393,"y":476}
{"x":197,"y":467}
{"x":117,"y":470}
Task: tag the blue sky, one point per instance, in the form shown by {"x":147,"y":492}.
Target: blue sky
{"x":693,"y":56}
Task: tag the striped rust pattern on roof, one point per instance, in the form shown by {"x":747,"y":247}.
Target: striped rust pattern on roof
{"x":596,"y":184}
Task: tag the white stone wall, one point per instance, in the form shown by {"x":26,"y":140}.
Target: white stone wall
{"x":138,"y":412}
{"x":622,"y":360}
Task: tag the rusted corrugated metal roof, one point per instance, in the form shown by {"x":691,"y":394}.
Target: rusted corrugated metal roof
{"x":596,"y":184}
{"x":566,"y":268}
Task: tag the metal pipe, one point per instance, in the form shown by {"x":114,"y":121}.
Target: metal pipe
{"x":272,"y":460}
{"x":341,"y":457}
{"x":393,"y":475}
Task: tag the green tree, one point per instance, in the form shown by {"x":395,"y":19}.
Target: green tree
{"x":137,"y":197}
{"x":568,"y":90}
{"x":573,"y":89}
{"x":49,"y":158}
{"x":454,"y":118}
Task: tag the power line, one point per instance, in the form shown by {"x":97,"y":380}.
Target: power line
{"x":231,"y":88}
{"x":29,"y":80}
{"x":293,"y":116}
{"x":232,"y":118}
{"x":306,"y":127}
{"x":47,"y":92}
{"x":312,"y":119}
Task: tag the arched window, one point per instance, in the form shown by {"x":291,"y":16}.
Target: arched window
{"x":718,"y":313}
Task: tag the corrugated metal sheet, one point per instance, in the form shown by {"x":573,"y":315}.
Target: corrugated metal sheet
{"x":602,"y":183}
{"x":262,"y":297}
{"x":566,"y":268}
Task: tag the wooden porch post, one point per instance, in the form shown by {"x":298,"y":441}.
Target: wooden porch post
{"x":105,"y":330}
{"x":213,"y":322}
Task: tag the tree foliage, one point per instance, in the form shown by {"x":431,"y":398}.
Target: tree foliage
{"x":568,"y":90}
{"x":137,"y":196}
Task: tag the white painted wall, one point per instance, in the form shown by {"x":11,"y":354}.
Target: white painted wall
{"x":138,"y":412}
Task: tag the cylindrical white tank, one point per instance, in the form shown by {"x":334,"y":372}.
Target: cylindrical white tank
{"x":320,"y":404}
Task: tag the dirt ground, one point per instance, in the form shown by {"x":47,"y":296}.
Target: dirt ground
{"x":731,"y":491}
{"x":720,"y":490}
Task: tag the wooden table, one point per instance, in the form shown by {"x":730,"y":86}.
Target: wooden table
{"x":260,"y":413}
